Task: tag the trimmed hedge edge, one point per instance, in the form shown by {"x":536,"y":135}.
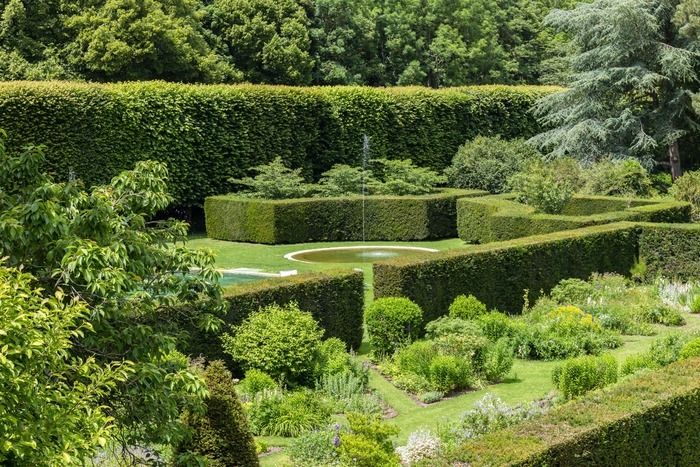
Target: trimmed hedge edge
{"x":500,"y":217}
{"x":388,"y":218}
{"x":650,"y":419}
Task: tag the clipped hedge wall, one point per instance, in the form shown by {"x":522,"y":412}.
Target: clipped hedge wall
{"x":335,"y":298}
{"x":651,"y":419}
{"x":671,"y":250}
{"x":395,"y":218}
{"x":497,"y":218}
{"x":499,"y":273}
{"x":208,"y":133}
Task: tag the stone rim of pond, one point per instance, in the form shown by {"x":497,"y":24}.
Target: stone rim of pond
{"x":417,"y":249}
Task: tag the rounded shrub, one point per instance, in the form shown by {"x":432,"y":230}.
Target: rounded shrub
{"x":691,"y":349}
{"x":540,"y":185}
{"x":467,"y":307}
{"x":577,"y":376}
{"x":221,"y":433}
{"x":496,"y":325}
{"x":392,"y":322}
{"x":485,"y":163}
{"x":618,"y":178}
{"x":446,"y":325}
{"x":416,"y":358}
{"x":256,"y":381}
{"x":448,"y":373}
{"x":282,"y":341}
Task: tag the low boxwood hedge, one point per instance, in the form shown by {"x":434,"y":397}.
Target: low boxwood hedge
{"x":651,"y":419}
{"x":671,"y":250}
{"x":335,"y":298}
{"x":497,"y":218}
{"x":393,"y":218}
{"x":499,"y":274}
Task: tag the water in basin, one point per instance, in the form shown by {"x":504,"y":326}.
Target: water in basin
{"x":365,"y":254}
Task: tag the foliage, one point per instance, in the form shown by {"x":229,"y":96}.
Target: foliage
{"x":434,"y":282}
{"x":486,"y":163}
{"x":401,"y":177}
{"x":122,"y":40}
{"x":625,"y":177}
{"x":577,"y":376}
{"x":635,"y":363}
{"x":671,"y":251}
{"x":275,"y":181}
{"x":687,"y":188}
{"x":314,"y":449}
{"x":490,"y":414}
{"x":691,"y":349}
{"x":368,"y":443}
{"x":539,"y":185}
{"x":446,"y":325}
{"x":221,"y":433}
{"x":467,"y":307}
{"x":498,"y":360}
{"x":256,"y":381}
{"x":448,"y":373}
{"x":496,"y":325}
{"x":210,"y":134}
{"x":620,"y":426}
{"x":405,"y":218}
{"x":630,"y":92}
{"x":282,"y":341}
{"x":421,"y":445}
{"x":276,"y":413}
{"x":392,"y":322}
{"x":344,"y":180}
{"x":51,"y":403}
{"x":132,"y":273}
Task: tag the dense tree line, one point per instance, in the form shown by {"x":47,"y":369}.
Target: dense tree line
{"x":372,"y":42}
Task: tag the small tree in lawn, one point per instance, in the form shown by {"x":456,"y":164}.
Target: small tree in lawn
{"x":630,"y":93}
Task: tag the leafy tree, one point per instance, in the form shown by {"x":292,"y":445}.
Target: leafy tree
{"x":275,"y":181}
{"x":267,"y":39}
{"x":631,"y":88}
{"x":145,"y":39}
{"x":50,"y":400}
{"x":100,"y":247}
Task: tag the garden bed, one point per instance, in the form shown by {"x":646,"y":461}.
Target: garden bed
{"x":501,"y":217}
{"x":373,"y":218}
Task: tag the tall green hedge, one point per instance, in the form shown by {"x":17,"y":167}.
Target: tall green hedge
{"x":499,"y":273}
{"x":334,"y":298}
{"x":394,"y":218}
{"x":671,"y":250}
{"x":497,"y":218}
{"x":208,"y":133}
{"x":649,"y":420}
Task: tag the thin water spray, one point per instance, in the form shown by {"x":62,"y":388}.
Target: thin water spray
{"x":365,"y":158}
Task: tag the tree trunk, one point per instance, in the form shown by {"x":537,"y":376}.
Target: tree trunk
{"x":674,"y":158}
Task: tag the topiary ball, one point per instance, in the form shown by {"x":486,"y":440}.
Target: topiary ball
{"x":467,"y":307}
{"x":392,"y":322}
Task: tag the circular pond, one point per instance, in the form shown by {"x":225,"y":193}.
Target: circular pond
{"x":355,"y":254}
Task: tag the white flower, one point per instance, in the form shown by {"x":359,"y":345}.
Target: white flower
{"x":422,"y":444}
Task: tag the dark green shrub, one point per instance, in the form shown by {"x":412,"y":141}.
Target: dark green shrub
{"x":671,"y":250}
{"x":617,"y":178}
{"x":532,"y":264}
{"x":282,"y":341}
{"x":208,"y":134}
{"x":221,"y":433}
{"x":538,"y":185}
{"x":256,"y":381}
{"x":274,"y":180}
{"x":392,"y":322}
{"x":691,"y":349}
{"x":334,"y":298}
{"x":368,"y":443}
{"x":486,"y":163}
{"x":467,"y":307}
{"x":622,"y":426}
{"x":404,"y":218}
{"x":448,"y":372}
{"x":288,"y":414}
{"x":578,"y":376}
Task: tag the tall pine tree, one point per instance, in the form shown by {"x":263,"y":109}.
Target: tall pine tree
{"x":630,"y":93}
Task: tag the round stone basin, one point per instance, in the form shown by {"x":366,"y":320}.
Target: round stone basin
{"x":355,"y":254}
